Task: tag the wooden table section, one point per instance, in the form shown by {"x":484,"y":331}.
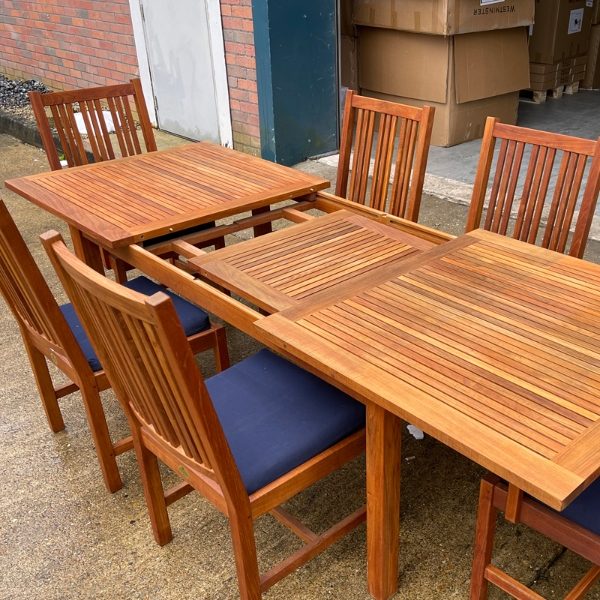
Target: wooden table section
{"x":488,"y":344}
{"x":120,"y":202}
{"x":333,"y":254}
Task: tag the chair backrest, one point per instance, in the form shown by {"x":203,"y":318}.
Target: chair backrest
{"x":401,"y":135}
{"x":94,"y":105}
{"x":30,"y":299}
{"x":149,"y":363}
{"x":530,"y":164}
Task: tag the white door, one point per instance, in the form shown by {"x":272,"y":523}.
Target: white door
{"x":186,"y":60}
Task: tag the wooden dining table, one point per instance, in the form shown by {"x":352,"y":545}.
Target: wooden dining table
{"x":486,"y":343}
{"x":138,"y":198}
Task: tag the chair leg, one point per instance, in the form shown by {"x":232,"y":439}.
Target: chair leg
{"x":101,"y":436}
{"x":119,"y":268}
{"x":219,"y":243}
{"x":220,"y":349}
{"x":484,"y":541}
{"x":153,"y":491}
{"x":244,"y":549}
{"x":585,"y":584}
{"x":45,"y":388}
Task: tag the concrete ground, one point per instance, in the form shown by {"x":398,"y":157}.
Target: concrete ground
{"x":62,"y":536}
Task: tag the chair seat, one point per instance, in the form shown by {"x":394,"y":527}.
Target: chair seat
{"x":585,"y":509}
{"x":193,"y":319}
{"x":276,"y":416}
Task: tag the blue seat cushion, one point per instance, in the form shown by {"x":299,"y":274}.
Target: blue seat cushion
{"x":276,"y":416}
{"x":585,"y":509}
{"x":193,"y":319}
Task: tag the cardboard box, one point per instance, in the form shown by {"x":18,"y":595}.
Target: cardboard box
{"x":592,"y":75}
{"x":548,"y":77}
{"x":348,"y":62}
{"x":457,"y":123}
{"x":561,"y":30}
{"x":541,"y":69}
{"x":447,"y":72}
{"x":596,"y":12}
{"x":549,"y":81}
{"x":345,"y":18}
{"x":444,"y":17}
{"x":574,"y":69}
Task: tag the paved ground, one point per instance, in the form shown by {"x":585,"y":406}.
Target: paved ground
{"x":62,"y":536}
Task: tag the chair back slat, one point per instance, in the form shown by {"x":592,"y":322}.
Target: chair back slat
{"x":29,"y":298}
{"x":562,"y":206}
{"x":91,"y":124}
{"x":404,"y":160}
{"x":145,"y":375}
{"x":528,"y":164}
{"x":517,"y":162}
{"x":91,"y":103}
{"x":150,"y":365}
{"x":383,"y":160}
{"x":377,"y":134}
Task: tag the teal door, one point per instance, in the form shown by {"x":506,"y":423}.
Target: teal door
{"x":296,"y":62}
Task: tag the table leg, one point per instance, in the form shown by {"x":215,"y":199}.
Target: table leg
{"x":383,"y":501}
{"x":265,"y":227}
{"x":88,"y":251}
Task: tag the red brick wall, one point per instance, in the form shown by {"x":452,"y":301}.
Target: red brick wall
{"x":67,"y":43}
{"x":238,"y":31}
{"x":80,"y":43}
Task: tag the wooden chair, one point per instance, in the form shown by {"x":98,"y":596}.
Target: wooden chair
{"x":577,"y":528}
{"x":527,"y":162}
{"x":403,"y":131}
{"x":248,"y":439}
{"x":54,"y":333}
{"x":94,"y":104}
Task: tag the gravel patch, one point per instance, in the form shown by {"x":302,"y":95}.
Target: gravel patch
{"x":13,"y":93}
{"x":14,"y":102}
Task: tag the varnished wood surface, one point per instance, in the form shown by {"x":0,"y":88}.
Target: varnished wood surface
{"x":494,"y":497}
{"x":333,"y":254}
{"x":93,"y":104}
{"x":137,"y":198}
{"x":537,"y":177}
{"x":397,"y":136}
{"x":487,"y":343}
{"x":140,"y":341}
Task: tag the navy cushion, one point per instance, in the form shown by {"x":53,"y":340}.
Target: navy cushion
{"x":193,"y":319}
{"x":276,"y":416}
{"x":585,"y":509}
{"x":177,"y":234}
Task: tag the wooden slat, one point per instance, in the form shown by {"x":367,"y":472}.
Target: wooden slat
{"x":539,"y":219}
{"x":142,"y":196}
{"x":401,"y":130}
{"x":332,"y":253}
{"x":489,"y":346}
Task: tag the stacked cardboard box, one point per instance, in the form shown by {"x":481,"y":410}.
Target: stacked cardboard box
{"x":592,"y":74}
{"x":467,"y":58}
{"x":348,"y":61}
{"x":559,"y":42}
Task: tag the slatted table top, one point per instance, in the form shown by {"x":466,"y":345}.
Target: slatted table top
{"x":333,"y":254}
{"x":128,"y":200}
{"x":488,"y":344}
